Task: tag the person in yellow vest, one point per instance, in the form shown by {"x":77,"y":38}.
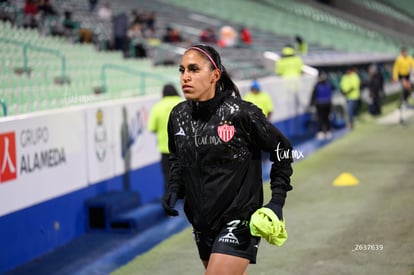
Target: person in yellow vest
{"x":301,"y":45}
{"x":158,"y":121}
{"x":403,"y":65}
{"x":290,"y":64}
{"x":260,"y":98}
{"x":350,"y":86}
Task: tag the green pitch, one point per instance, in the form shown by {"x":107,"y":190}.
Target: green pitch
{"x":366,"y":228}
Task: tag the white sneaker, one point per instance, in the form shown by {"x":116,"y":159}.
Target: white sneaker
{"x":328,"y":135}
{"x":320,"y":135}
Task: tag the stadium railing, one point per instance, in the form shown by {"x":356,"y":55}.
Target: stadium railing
{"x":25,"y":50}
{"x":3,"y":106}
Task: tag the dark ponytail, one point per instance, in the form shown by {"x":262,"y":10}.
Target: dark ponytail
{"x":225,"y":83}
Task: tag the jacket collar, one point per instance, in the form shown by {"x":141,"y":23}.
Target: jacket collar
{"x":202,"y":110}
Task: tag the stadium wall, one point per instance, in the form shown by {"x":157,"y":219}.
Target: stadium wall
{"x":52,"y":162}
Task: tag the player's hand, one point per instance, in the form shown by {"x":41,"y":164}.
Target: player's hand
{"x":168,"y":203}
{"x":276,"y":208}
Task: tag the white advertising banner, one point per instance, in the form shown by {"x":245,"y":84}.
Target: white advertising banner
{"x":135,"y":146}
{"x":41,"y":157}
{"x":290,"y":97}
{"x":118,"y":138}
{"x":100,"y":143}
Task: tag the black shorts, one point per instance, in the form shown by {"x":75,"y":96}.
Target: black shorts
{"x":234,"y":239}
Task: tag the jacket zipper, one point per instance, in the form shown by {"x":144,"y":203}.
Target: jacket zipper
{"x":196,"y":125}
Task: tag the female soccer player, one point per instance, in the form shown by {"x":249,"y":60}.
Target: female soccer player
{"x":215,"y":140}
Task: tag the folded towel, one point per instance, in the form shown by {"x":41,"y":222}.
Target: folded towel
{"x":264,"y":223}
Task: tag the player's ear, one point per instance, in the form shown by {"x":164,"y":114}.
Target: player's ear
{"x":216,"y":75}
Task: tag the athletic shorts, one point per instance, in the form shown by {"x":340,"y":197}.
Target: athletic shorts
{"x":405,"y":91}
{"x":234,"y":239}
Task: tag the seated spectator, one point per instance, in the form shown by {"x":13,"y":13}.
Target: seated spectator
{"x":7,"y":12}
{"x":30,"y":7}
{"x":137,"y":17}
{"x":146,"y":20}
{"x":105,"y":12}
{"x":208,"y":36}
{"x":68,"y":22}
{"x":172,"y":36}
{"x":136,"y":41}
{"x":228,"y":37}
{"x":245,"y":37}
{"x":47,"y":8}
{"x":31,"y":13}
{"x":49,"y":19}
{"x":70,"y":26}
{"x":150,"y":24}
{"x":92,"y":5}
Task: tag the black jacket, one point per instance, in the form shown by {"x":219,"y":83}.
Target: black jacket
{"x":215,"y":150}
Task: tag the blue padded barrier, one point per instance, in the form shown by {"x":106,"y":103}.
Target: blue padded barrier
{"x":138,"y":219}
{"x":102,"y":208}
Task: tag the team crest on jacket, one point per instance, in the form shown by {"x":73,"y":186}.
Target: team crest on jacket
{"x":225,"y":131}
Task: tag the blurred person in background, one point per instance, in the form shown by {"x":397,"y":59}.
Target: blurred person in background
{"x":49,"y":21}
{"x":289,"y":64}
{"x":150,"y":23}
{"x":47,"y":9}
{"x":322,"y":101}
{"x":147,"y":21}
{"x":215,"y":139}
{"x":350,"y":85}
{"x":403,"y":65}
{"x":245,"y":37}
{"x":376,"y":88}
{"x":136,"y":41}
{"x":92,"y":5}
{"x":120,"y":25}
{"x":157,"y":123}
{"x":228,"y":37}
{"x":172,"y":35}
{"x":31,"y":14}
{"x":105,"y":12}
{"x":70,"y":26}
{"x":260,"y":98}
{"x":301,"y":45}
{"x":208,"y":35}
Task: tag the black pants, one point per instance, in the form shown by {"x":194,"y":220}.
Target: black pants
{"x":405,"y":91}
{"x":121,"y":44}
{"x":375,"y":107}
{"x":323,"y":111}
{"x":165,"y":166}
{"x":140,"y":51}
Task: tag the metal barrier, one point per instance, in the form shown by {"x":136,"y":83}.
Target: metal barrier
{"x":27,"y":46}
{"x":3,"y":106}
